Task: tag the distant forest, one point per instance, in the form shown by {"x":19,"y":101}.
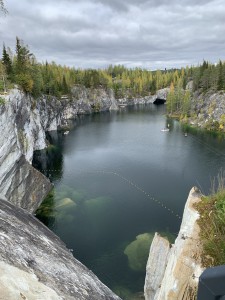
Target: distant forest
{"x":21,"y":67}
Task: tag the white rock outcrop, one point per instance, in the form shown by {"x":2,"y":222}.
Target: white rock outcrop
{"x":21,"y":133}
{"x":183,"y":266}
{"x":162,"y":93}
{"x":156,"y":265}
{"x":16,"y":283}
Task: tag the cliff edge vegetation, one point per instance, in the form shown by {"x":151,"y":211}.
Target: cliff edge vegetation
{"x":212,"y":224}
{"x":21,"y":67}
{"x":202,"y":102}
{"x":196,"y":92}
{"x":173,"y":271}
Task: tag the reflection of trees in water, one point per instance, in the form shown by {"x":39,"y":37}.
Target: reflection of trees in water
{"x":50,"y":160}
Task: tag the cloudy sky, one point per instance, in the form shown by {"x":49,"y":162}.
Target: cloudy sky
{"x":151,"y":34}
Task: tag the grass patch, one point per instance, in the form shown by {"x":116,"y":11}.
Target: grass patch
{"x":212,"y":224}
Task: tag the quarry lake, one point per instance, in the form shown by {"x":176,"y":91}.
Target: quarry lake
{"x":117,"y":179}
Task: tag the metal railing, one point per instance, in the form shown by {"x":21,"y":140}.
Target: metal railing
{"x":212,"y":284}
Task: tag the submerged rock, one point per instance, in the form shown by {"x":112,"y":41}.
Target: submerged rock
{"x":137,"y":251}
{"x":35,"y":264}
{"x":66,"y":203}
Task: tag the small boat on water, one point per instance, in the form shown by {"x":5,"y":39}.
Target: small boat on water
{"x":185,"y":134}
{"x":66,"y":132}
{"x":165,"y":129}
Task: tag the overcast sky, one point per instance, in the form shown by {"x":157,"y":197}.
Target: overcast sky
{"x":152,"y":34}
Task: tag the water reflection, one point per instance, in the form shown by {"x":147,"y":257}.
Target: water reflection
{"x":50,"y":160}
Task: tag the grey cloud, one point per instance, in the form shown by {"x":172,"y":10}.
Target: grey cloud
{"x":125,"y":5}
{"x":95,"y":33}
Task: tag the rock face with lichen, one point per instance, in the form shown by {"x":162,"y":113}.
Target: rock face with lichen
{"x":35,"y":264}
{"x":207,"y":108}
{"x":175,"y":272}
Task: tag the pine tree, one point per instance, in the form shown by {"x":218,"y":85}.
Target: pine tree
{"x":220,"y":83}
{"x":7,"y":62}
{"x":23,"y":67}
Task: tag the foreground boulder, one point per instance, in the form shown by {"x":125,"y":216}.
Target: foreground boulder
{"x":35,"y":264}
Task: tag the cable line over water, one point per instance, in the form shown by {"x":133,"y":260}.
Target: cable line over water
{"x":135,"y":186}
{"x":131,"y":183}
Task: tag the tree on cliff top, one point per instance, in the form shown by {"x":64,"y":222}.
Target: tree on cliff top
{"x":6,"y":60}
{"x":23,"y":66}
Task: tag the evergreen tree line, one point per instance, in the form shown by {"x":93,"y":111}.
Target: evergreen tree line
{"x":209,"y":76}
{"x":22,"y":68}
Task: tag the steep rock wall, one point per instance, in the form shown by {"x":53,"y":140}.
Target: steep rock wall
{"x":181,"y":267}
{"x":208,"y":109}
{"x":21,"y":133}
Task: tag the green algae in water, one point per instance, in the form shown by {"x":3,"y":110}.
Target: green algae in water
{"x":47,"y":212}
{"x":65,"y":191}
{"x":63,"y":202}
{"x":60,"y":204}
{"x":137,"y":251}
{"x":130,"y":282}
{"x":97,"y":205}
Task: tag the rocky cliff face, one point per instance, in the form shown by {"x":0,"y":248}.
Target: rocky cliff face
{"x":172,"y":274}
{"x":209,"y":109}
{"x":160,"y":94}
{"x":35,"y":264}
{"x":21,"y":133}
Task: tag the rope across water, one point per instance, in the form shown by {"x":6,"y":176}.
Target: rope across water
{"x":134,"y":185}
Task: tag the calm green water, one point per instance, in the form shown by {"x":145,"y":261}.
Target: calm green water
{"x":107,"y":171}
